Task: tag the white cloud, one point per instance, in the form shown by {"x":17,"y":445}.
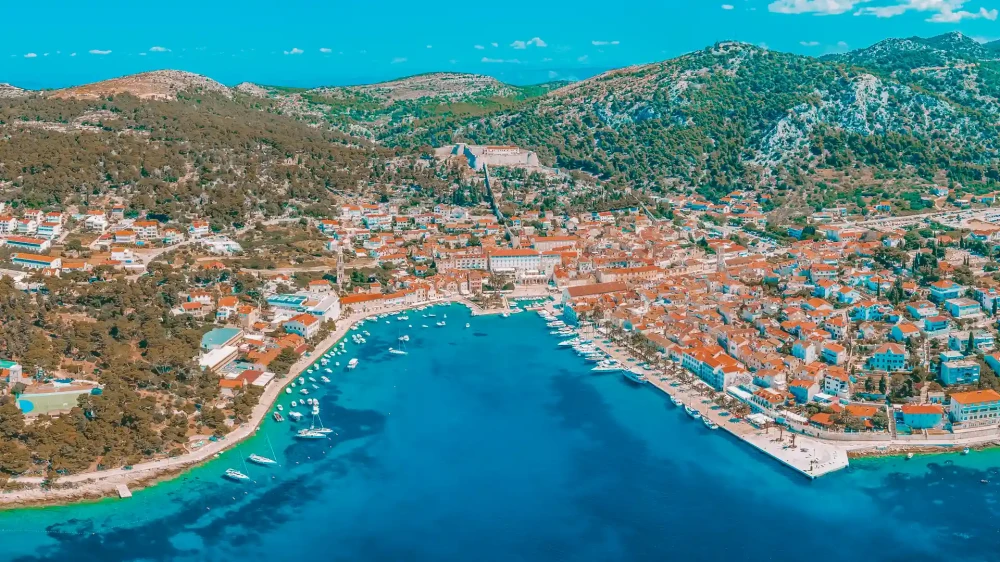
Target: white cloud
{"x":398,"y":60}
{"x":159,"y":50}
{"x":818,"y":7}
{"x":294,"y":51}
{"x":430,"y":46}
{"x":809,"y":43}
{"x":603,"y":43}
{"x":940,"y":11}
{"x":479,"y":47}
{"x":495,"y":44}
{"x":30,"y":55}
{"x":841,"y":44}
{"x":947,"y":16}
{"x":99,"y":52}
{"x":142,"y":54}
{"x":553,"y":75}
{"x":325,"y":50}
{"x":583,"y":58}
{"x":72,"y":54}
{"x":499,"y":61}
{"x":533,"y":42}
{"x":728,"y":7}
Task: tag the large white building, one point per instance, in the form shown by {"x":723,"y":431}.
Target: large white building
{"x":975,"y":408}
{"x":522,"y":261}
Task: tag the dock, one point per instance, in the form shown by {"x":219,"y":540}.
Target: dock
{"x":123,"y":491}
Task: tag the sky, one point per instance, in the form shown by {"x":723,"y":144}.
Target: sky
{"x":304,"y":43}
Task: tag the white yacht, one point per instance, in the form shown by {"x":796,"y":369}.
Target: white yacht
{"x":233,"y":474}
{"x":261,"y":460}
{"x":310,"y":434}
{"x":352,"y":363}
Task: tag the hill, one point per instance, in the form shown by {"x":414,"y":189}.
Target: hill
{"x":8,"y":91}
{"x":411,"y":111}
{"x":155,"y":85}
{"x":886,"y":121}
{"x":177,"y":144}
{"x":739,"y":115}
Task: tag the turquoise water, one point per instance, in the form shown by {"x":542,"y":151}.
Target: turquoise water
{"x":490,"y":443}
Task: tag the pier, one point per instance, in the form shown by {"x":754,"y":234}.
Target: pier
{"x":123,"y":491}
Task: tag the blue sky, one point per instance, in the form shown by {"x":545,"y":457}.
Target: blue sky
{"x":309,"y":43}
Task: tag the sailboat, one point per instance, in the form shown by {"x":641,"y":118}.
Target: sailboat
{"x":258,"y":459}
{"x":313,"y":427}
{"x":262,"y":460}
{"x":233,"y":474}
{"x":402,"y":341}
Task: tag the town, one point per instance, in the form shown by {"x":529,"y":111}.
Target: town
{"x":869,"y":330}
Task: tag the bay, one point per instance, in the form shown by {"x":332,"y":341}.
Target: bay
{"x":490,"y":443}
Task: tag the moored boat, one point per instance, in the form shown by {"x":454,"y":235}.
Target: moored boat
{"x":233,"y":474}
{"x":352,"y":363}
{"x":709,"y":423}
{"x":309,"y":434}
{"x":261,"y":460}
{"x":634,"y":377}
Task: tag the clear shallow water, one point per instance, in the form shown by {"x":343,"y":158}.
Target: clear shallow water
{"x":490,"y":443}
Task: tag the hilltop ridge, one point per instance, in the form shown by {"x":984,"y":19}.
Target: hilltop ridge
{"x":153,"y":85}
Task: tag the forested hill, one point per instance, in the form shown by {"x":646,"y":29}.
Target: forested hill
{"x":896,"y":117}
{"x":737,"y":114}
{"x":176,"y":143}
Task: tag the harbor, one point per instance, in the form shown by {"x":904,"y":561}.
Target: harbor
{"x":499,"y":416}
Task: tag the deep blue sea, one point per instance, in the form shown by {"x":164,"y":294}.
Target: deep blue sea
{"x":490,"y":443}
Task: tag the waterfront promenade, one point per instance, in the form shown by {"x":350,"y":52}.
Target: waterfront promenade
{"x":808,"y":456}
